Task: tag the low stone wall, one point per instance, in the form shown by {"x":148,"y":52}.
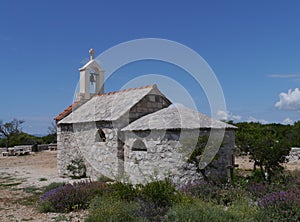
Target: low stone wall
{"x":51,"y":146}
{"x":26,"y":149}
{"x":18,"y":150}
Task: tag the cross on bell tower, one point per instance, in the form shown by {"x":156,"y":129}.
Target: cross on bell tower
{"x":92,"y":53}
{"x":90,"y":73}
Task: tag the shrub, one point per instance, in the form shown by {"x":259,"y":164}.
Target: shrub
{"x":219,"y":194}
{"x":125,"y":191}
{"x":108,"y":208}
{"x":283,"y":205}
{"x":53,"y":185}
{"x":198,"y":210}
{"x":256,"y":190}
{"x":201,"y":189}
{"x":70,"y":197}
{"x":161,"y":193}
{"x":77,"y":168}
{"x":153,"y":198}
{"x":246,"y":210}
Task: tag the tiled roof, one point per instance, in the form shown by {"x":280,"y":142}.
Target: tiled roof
{"x":109,"y":106}
{"x":176,"y":117}
{"x":66,"y":112}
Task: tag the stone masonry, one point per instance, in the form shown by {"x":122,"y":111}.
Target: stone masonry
{"x":79,"y":140}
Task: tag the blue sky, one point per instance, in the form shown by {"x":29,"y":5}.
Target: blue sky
{"x":252,"y":46}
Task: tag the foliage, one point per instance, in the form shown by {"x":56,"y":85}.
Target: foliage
{"x":77,"y":168}
{"x":256,"y":190}
{"x":147,"y":202}
{"x":53,"y":185}
{"x":161,"y":193}
{"x":108,"y":208}
{"x":283,"y":205}
{"x":201,"y":189}
{"x":125,"y":191}
{"x":197,"y":210}
{"x":10,"y":128}
{"x":50,"y":138}
{"x":246,"y":200}
{"x":11,"y":134}
{"x":70,"y":197}
{"x":198,"y":151}
{"x":267,"y":146}
{"x":23,"y":139}
{"x":201,"y":149}
{"x":219,"y":194}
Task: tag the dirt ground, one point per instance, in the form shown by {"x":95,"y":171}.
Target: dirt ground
{"x":18,"y":173}
{"x":21,"y":173}
{"x":245,"y":163}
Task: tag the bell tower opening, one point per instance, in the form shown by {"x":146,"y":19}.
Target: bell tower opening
{"x":91,"y":79}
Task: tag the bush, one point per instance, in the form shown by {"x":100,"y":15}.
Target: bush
{"x":108,"y":208}
{"x":198,"y":210}
{"x":282,"y":206}
{"x":77,"y":168}
{"x":70,"y":197}
{"x":201,"y":189}
{"x":125,"y":191}
{"x":153,"y":198}
{"x":225,"y":194}
{"x":53,"y":185}
{"x":161,"y":193}
{"x":256,"y":190}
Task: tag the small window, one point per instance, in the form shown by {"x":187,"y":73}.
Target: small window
{"x":139,"y":145}
{"x":100,"y":136}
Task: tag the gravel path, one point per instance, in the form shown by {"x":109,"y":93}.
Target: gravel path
{"x":19,"y":172}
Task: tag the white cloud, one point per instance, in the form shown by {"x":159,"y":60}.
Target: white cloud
{"x":289,"y":101}
{"x":287,"y":121}
{"x":225,"y":115}
{"x":253,"y":119}
{"x":283,"y":75}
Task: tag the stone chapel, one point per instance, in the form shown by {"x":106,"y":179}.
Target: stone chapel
{"x":136,"y":134}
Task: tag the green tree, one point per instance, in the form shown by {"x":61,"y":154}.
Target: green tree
{"x":266,"y":145}
{"x":8,"y":129}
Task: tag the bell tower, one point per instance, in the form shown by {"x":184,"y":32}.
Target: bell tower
{"x":91,"y":73}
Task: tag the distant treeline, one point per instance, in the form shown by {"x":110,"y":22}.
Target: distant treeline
{"x":247,"y":131}
{"x":23,"y":138}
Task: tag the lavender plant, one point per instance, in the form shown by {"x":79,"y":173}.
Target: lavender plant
{"x":70,"y":197}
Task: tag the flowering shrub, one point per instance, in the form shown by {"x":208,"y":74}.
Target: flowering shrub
{"x":283,"y":205}
{"x":256,"y":189}
{"x":70,"y":196}
{"x":161,"y":201}
{"x":218,"y":194}
{"x":201,"y":189}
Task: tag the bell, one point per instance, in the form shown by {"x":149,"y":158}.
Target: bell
{"x":92,"y":78}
